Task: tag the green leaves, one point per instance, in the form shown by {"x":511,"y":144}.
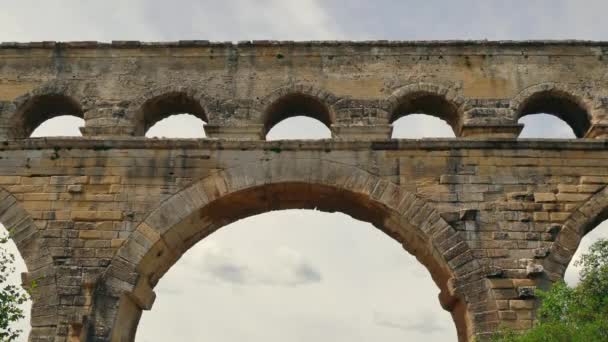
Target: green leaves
{"x":11,"y":296}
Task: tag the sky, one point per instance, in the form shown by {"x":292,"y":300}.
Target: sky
{"x":302,"y":275}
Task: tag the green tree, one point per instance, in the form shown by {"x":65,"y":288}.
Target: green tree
{"x":572,"y":314}
{"x":11,"y":296}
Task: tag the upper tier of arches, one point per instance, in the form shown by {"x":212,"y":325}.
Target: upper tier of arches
{"x":344,"y":116}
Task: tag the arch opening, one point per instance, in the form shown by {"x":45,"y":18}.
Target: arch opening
{"x":417,"y":126}
{"x":584,"y":226}
{"x":177,"y":239}
{"x":41,"y":108}
{"x":429,"y":104}
{"x":178,"y":126}
{"x":299,"y":127}
{"x":545,"y":126}
{"x":165,"y":105}
{"x":59,"y":126}
{"x":281,"y":266}
{"x":571,"y":276}
{"x":561,"y":105}
{"x":296,"y":104}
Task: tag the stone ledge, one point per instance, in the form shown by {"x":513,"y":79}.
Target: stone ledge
{"x":295,"y":145}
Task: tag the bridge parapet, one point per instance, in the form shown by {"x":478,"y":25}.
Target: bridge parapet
{"x":357,"y":89}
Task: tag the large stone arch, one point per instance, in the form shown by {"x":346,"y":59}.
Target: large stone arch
{"x":40,"y":277}
{"x":161,"y":102}
{"x":29,"y":110}
{"x":427,"y":98}
{"x":232,"y":194}
{"x":561,"y":100}
{"x":583,"y":220}
{"x":313,"y":101}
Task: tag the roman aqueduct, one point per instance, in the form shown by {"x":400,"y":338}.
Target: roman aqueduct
{"x":100,"y":218}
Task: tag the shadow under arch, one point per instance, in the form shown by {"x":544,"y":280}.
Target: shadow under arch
{"x":163,"y":103}
{"x":555,"y":100}
{"x":218,"y":200}
{"x":34,"y":109}
{"x":582,"y":221}
{"x":428,"y":99}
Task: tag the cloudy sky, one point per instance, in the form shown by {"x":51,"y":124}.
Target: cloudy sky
{"x":301,"y":275}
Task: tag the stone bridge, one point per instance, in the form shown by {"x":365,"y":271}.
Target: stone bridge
{"x":99,"y":219}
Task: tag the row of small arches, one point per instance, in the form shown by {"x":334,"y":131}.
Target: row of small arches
{"x":413,"y":126}
{"x":561,"y":105}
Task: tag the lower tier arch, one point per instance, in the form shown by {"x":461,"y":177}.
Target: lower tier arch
{"x":220,"y":199}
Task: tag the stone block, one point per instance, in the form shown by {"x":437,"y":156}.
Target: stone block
{"x":500,"y":283}
{"x":75,"y":189}
{"x":68,"y":180}
{"x":92,"y":215}
{"x":522,"y":304}
{"x":544,"y":197}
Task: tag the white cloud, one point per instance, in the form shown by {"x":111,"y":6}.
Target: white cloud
{"x":283,"y":267}
{"x":30,"y":20}
{"x":425,"y":322}
{"x":308,"y":274}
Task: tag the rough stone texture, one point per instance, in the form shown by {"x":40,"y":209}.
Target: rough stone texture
{"x":100,"y":219}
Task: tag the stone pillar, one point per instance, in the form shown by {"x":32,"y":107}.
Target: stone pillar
{"x":107,"y":122}
{"x":240,"y":132}
{"x":361,"y":132}
{"x":489,"y":122}
{"x":489,"y":131}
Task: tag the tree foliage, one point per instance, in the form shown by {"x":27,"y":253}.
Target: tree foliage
{"x":572,"y":314}
{"x":11,"y":296}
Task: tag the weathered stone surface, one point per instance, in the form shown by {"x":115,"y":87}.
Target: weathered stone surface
{"x":100,"y":219}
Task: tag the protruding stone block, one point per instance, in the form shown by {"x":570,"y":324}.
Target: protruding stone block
{"x":361,"y":132}
{"x":236,"y":132}
{"x":490,"y":131}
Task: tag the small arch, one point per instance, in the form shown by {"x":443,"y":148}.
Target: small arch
{"x":545,"y":126}
{"x":416,"y":126}
{"x":178,"y":126}
{"x":299,"y":127}
{"x":426,"y":99}
{"x":39,"y":108}
{"x":297,"y":104}
{"x":554,"y":100}
{"x":169,"y":103}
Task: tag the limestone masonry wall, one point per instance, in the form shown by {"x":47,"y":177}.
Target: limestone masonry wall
{"x":99,"y":219}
